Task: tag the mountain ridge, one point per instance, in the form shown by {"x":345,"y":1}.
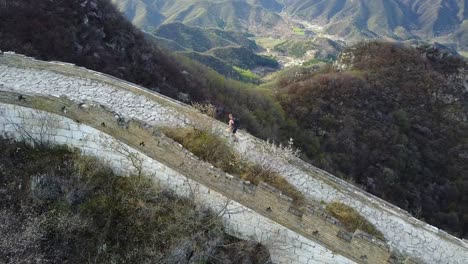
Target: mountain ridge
{"x":442,"y":21}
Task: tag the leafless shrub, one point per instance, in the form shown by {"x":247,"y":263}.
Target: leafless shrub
{"x":286,"y":151}
{"x":135,"y":158}
{"x":206,"y":109}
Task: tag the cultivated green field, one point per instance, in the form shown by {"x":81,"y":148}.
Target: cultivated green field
{"x":268,"y":42}
{"x":299,"y":31}
{"x":464,"y":53}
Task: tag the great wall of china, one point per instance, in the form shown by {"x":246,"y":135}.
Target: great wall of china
{"x":85,"y":109}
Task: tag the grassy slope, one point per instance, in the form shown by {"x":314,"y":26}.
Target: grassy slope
{"x":165,"y":43}
{"x":228,"y":53}
{"x":221,"y":67}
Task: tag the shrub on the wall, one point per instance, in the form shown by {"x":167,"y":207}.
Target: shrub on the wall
{"x":352,"y":220}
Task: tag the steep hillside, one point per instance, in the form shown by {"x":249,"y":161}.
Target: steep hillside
{"x":220,"y":66}
{"x":393,"y":120}
{"x":92,"y":34}
{"x":164,"y":43}
{"x":272,"y":5}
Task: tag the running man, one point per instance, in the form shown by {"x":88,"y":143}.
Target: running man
{"x":233,"y":125}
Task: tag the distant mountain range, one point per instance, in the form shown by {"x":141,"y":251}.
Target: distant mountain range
{"x":396,"y":19}
{"x":239,"y":15}
{"x":444,"y":21}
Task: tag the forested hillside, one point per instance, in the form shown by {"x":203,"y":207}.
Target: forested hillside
{"x":393,"y":121}
{"x":322,"y":48}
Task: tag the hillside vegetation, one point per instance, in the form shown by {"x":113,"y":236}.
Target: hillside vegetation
{"x":243,"y":58}
{"x":216,"y":151}
{"x":60,"y":207}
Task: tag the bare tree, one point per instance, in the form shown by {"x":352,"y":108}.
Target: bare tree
{"x":135,"y":158}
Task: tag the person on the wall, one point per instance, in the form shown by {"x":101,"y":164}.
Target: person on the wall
{"x":233,"y":125}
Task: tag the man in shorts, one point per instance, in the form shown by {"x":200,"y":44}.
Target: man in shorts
{"x":233,"y":125}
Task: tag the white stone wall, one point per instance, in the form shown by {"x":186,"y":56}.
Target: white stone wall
{"x":403,"y":232}
{"x":284,"y":245}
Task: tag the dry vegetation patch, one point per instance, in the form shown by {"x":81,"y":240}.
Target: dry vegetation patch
{"x":216,"y":150}
{"x":352,"y":220}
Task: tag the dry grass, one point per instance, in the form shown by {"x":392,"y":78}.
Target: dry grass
{"x":256,"y":174}
{"x":352,"y":220}
{"x":205,"y":145}
{"x":215,"y":150}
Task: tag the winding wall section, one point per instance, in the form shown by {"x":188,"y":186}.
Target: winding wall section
{"x":403,"y":232}
{"x":285,"y":246}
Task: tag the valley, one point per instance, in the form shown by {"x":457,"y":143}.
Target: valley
{"x":302,"y":29}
